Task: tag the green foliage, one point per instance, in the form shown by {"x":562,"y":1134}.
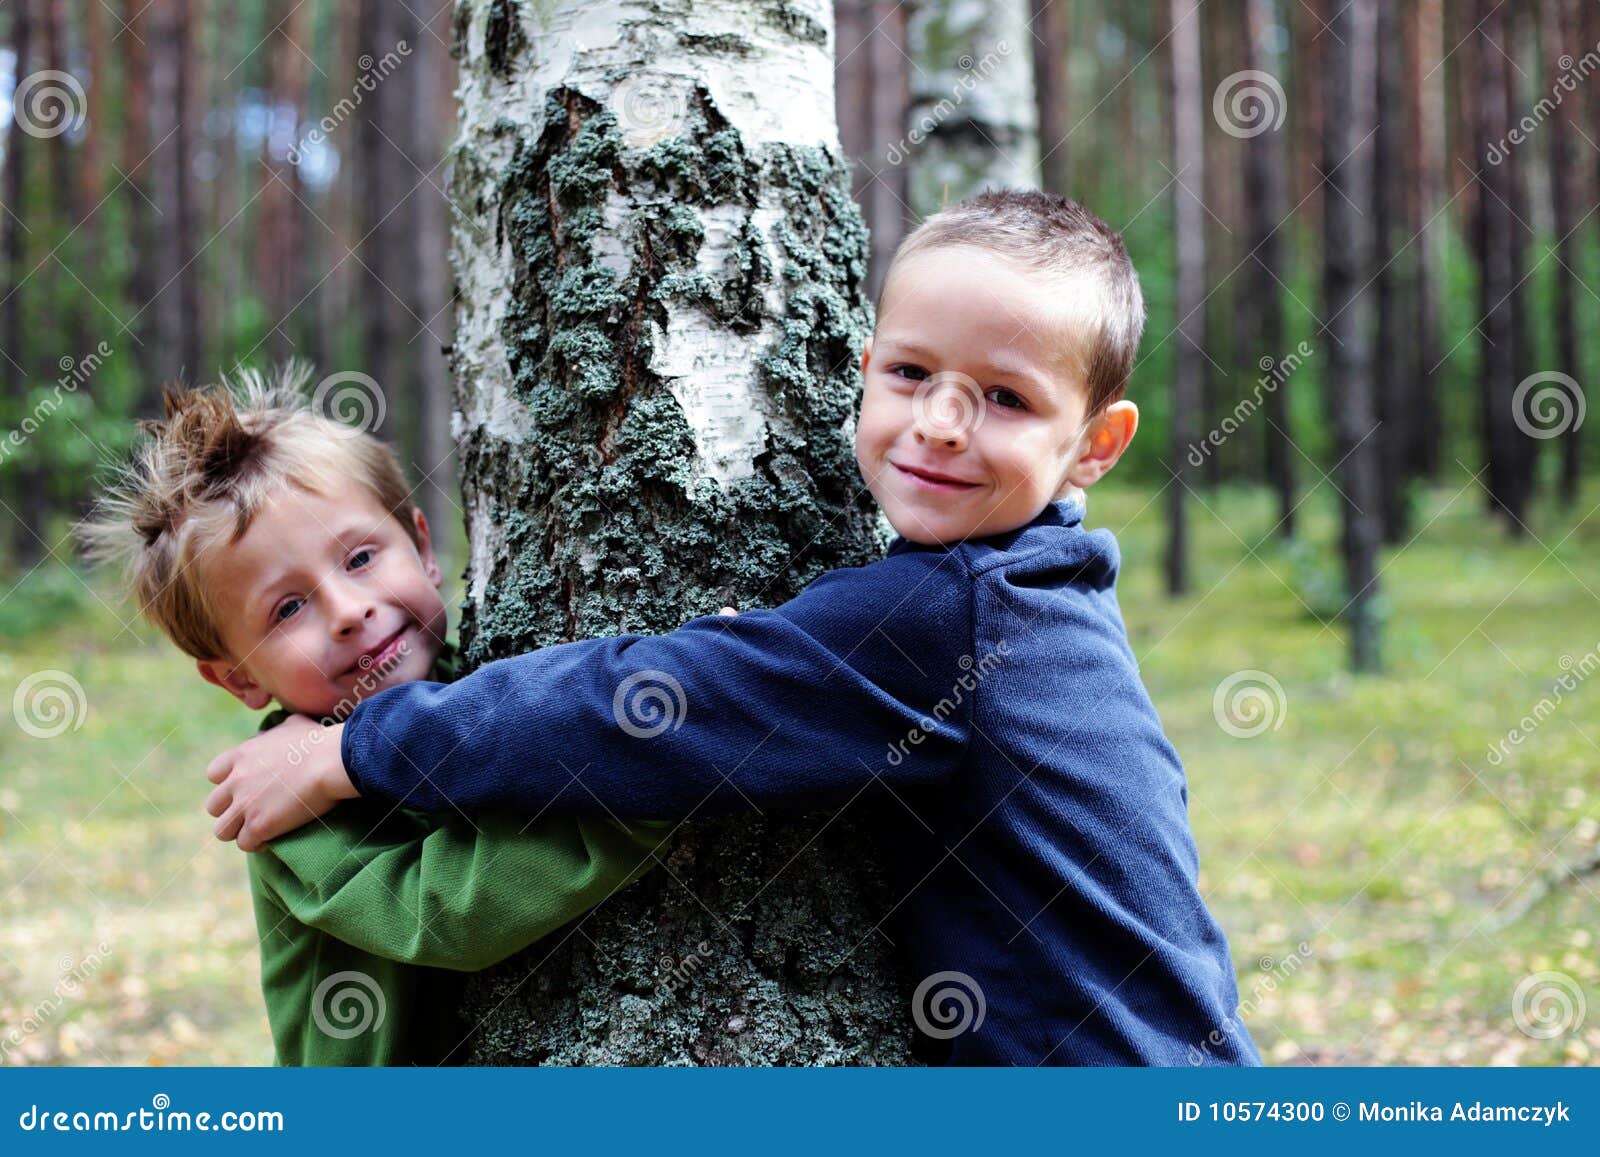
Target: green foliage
{"x":44,"y":600}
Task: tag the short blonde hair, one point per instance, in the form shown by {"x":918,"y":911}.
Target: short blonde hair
{"x":1059,"y":238}
{"x":205,"y":471}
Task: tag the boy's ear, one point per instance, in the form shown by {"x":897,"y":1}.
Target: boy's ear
{"x":1108,"y":436}
{"x":235,"y":682}
{"x":430,"y":564}
{"x":866,"y":355}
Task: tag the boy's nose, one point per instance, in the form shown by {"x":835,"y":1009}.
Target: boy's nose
{"x":956,"y":440}
{"x":946,"y":409}
{"x":351,"y":615}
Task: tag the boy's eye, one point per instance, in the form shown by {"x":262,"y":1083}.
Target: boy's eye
{"x":360,"y":558}
{"x":285,"y":609}
{"x":1001,"y":396}
{"x":913,"y":373}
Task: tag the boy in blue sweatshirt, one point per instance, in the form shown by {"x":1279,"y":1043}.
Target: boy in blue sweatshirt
{"x":979,"y":676}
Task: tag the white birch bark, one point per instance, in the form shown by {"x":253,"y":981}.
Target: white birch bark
{"x":973,"y":122}
{"x":660,"y":313}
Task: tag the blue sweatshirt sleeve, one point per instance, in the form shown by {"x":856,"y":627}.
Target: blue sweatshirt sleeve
{"x":795,"y":707}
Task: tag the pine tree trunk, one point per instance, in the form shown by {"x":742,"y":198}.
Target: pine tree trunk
{"x":173,"y":310}
{"x":1219,"y":49}
{"x":280,"y":239}
{"x":873,"y":99}
{"x":973,"y":121}
{"x":1347,"y":310}
{"x":1188,"y":160}
{"x":1264,"y":198}
{"x":1428,"y":225}
{"x":1050,"y":40}
{"x":25,"y":527}
{"x":430,"y":292}
{"x":659,"y":327}
{"x":1394,"y":370}
{"x":1522,"y":449}
{"x":140,"y":217}
{"x":1560,"y":30}
{"x":1497,"y":363}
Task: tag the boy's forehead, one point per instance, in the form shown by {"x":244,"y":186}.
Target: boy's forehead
{"x":1026,"y":345}
{"x":974,"y":287}
{"x":295,"y":530}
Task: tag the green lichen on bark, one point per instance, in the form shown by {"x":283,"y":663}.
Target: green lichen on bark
{"x":755,"y":944}
{"x":603,"y":517}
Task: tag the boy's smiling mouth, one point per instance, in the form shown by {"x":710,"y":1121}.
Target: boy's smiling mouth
{"x":379,"y":656}
{"x":932,"y":479}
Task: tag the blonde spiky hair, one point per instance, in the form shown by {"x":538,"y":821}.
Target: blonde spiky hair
{"x":205,"y":471}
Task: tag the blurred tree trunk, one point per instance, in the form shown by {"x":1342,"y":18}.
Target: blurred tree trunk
{"x":1560,"y":34}
{"x":381,"y":180}
{"x":1523,"y":449}
{"x":1426,"y":118}
{"x":873,"y":102}
{"x":1307,"y":19}
{"x":173,"y":334}
{"x":25,"y":526}
{"x":659,"y":325}
{"x":1395,"y":370}
{"x":137,"y":199}
{"x":1347,"y":309}
{"x":334,"y":306}
{"x":1051,"y":21}
{"x":403,"y":286}
{"x":1262,"y":304}
{"x":1497,"y":260}
{"x":431,"y":288}
{"x":281,"y":251}
{"x":1188,"y":164}
{"x":1216,"y":190}
{"x":91,"y":168}
{"x":973,"y":122}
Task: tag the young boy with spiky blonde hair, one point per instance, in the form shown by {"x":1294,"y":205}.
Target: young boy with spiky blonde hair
{"x":282,"y":552}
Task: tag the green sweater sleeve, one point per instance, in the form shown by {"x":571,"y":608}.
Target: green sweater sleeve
{"x":445,"y":892}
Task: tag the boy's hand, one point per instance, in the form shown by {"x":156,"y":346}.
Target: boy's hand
{"x":277,"y":781}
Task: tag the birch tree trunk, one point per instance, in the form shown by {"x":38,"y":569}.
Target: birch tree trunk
{"x":974,"y":124}
{"x":659,"y":326}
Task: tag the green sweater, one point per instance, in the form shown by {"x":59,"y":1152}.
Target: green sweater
{"x":370,"y":918}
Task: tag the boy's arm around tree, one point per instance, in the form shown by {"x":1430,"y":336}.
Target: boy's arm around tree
{"x":852,"y":681}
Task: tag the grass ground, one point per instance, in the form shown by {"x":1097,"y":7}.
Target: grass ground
{"x":1363,"y":851}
